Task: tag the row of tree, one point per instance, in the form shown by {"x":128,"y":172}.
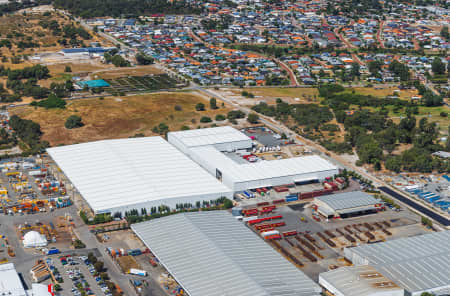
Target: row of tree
{"x":129,"y":8}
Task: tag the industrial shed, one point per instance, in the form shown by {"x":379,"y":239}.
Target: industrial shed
{"x":205,"y":146}
{"x":345,"y":205}
{"x":417,"y":264}
{"x":213,"y":254}
{"x":134,"y":173}
{"x":358,"y":281}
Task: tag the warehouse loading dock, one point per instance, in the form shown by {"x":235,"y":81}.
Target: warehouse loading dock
{"x":347,"y":205}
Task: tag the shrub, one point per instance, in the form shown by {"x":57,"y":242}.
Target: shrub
{"x":235,"y":114}
{"x":205,"y":119}
{"x":200,"y":107}
{"x":73,"y":121}
{"x":220,"y":117}
{"x":253,"y":118}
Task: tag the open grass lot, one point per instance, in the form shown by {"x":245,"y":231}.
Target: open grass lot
{"x":132,"y":71}
{"x":77,"y":68}
{"x":279,"y":92}
{"x":382,"y":92}
{"x":118,"y":118}
{"x":432,"y":113}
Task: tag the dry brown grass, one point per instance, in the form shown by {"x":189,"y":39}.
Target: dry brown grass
{"x":90,"y":66}
{"x":117,"y":118}
{"x":135,"y":71}
{"x":28,"y":26}
{"x":385,"y":91}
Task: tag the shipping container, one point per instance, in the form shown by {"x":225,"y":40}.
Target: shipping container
{"x":52,"y":251}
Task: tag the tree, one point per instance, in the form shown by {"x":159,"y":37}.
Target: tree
{"x":143,"y":59}
{"x":253,"y":118}
{"x":438,"y":67}
{"x":213,"y":103}
{"x":200,"y":107}
{"x":91,"y":257}
{"x":444,"y":33}
{"x":98,"y":266}
{"x":375,"y":67}
{"x":227,"y":204}
{"x":73,"y":121}
{"x":355,"y":70}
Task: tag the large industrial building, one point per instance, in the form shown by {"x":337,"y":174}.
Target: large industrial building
{"x":125,"y":174}
{"x":206,"y":147}
{"x":417,"y":264}
{"x":346,"y":205}
{"x":11,"y":285}
{"x":358,"y":281}
{"x":115,"y":176}
{"x":213,"y":254}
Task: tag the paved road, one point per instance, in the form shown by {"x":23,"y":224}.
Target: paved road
{"x":415,"y":205}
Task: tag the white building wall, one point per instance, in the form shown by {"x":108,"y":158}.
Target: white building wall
{"x":282,"y":180}
{"x":329,"y":287}
{"x":354,"y":258}
{"x":170,"y":202}
{"x":233,"y":146}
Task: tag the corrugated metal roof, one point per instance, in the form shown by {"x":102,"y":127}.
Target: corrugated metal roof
{"x":359,"y":281}
{"x":213,"y":254}
{"x":416,"y":263}
{"x":114,"y":173}
{"x":348,"y":200}
{"x":209,"y":136}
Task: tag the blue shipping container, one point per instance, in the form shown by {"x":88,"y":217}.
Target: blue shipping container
{"x":289,"y":199}
{"x":53,"y":251}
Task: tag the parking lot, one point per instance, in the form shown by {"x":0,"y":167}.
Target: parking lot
{"x":77,"y":275}
{"x":430,"y":190}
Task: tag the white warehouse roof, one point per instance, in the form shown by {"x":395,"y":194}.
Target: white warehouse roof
{"x":205,"y":146}
{"x":213,"y":254}
{"x":417,"y":264}
{"x":10,"y":283}
{"x":347,"y":200}
{"x":358,"y":281}
{"x":129,"y":173}
{"x":209,"y":136}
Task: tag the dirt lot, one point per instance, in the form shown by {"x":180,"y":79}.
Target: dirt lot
{"x":302,"y":95}
{"x":118,"y":117}
{"x":127,"y":262}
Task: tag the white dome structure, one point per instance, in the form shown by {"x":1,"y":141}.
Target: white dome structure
{"x":34,"y":239}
